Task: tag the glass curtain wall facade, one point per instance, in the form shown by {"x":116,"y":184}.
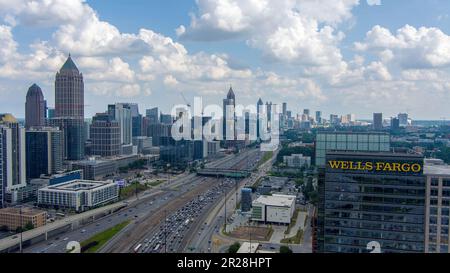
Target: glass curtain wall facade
{"x":349,"y":141}
{"x":360,"y":205}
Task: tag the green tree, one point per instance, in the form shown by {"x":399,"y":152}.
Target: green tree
{"x":285,"y":250}
{"x":234,"y":247}
{"x":29,"y":226}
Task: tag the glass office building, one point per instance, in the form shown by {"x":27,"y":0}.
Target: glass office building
{"x":350,"y":141}
{"x":366,"y":197}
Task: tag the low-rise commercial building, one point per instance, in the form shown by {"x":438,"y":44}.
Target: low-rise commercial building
{"x":297,"y":161}
{"x":94,"y":168}
{"x":276,"y":208}
{"x":13,"y":218}
{"x":78,"y":195}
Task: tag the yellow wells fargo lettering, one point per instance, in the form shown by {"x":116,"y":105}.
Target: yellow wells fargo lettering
{"x":375,"y":166}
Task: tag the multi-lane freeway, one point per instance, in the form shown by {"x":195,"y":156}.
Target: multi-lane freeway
{"x":147,"y":209}
{"x":168,"y":228}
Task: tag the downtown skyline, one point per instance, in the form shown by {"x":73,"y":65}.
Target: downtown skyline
{"x":338,"y":62}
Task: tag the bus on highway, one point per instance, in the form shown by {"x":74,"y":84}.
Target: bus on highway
{"x":136,"y":249}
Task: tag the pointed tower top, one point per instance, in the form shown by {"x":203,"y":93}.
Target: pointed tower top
{"x":260,"y":102}
{"x":69,"y":65}
{"x":231,"y":93}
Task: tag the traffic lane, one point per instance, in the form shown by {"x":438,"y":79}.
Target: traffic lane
{"x":98,"y":226}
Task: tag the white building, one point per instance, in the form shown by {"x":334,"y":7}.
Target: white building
{"x":297,"y":161}
{"x":13,"y":157}
{"x":79,"y":195}
{"x":274,"y":209}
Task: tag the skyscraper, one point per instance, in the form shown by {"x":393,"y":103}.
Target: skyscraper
{"x":153,"y":115}
{"x":69,"y":109}
{"x":69,"y":91}
{"x":13,"y":157}
{"x":259,"y":106}
{"x":378,"y":121}
{"x":318,"y":117}
{"x":105,"y":135}
{"x":44,"y":151}
{"x":121,"y":112}
{"x":395,"y":123}
{"x":229,"y":115}
{"x":366,"y":197}
{"x":35,"y":107}
{"x":403,"y":119}
{"x":284,"y":109}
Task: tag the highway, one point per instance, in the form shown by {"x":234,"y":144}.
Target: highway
{"x":167,"y":222}
{"x":200,"y":240}
{"x":137,"y":209}
{"x":168,"y":229}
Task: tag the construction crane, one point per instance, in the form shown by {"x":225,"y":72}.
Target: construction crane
{"x":185,"y":100}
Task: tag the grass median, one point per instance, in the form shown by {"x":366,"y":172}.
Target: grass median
{"x":94,"y":243}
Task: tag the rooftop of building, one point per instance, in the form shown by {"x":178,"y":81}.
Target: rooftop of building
{"x":436,"y":167}
{"x":69,"y":65}
{"x":100,"y":160}
{"x":248,"y":247}
{"x":25,"y":211}
{"x":277,"y":200}
{"x":78,"y":185}
{"x":377,"y":154}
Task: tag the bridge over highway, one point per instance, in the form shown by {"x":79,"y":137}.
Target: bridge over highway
{"x":217,"y":172}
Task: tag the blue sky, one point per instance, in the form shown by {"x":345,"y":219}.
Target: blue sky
{"x":337,"y":56}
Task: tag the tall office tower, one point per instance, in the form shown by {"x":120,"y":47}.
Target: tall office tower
{"x":437,"y":206}
{"x":269,"y":116}
{"x":284,"y":108}
{"x":153,"y":115}
{"x":246,"y":199}
{"x":166,"y":119}
{"x":14,"y":161}
{"x":229,"y":115}
{"x":50,"y":113}
{"x":44,"y":151}
{"x":35,"y":107}
{"x":136,"y":119}
{"x":122,"y":113}
{"x":69,"y":109}
{"x":348,"y":141}
{"x":371,"y":197}
{"x":73,"y":136}
{"x":403,"y":119}
{"x":378,"y":121}
{"x":306,"y":112}
{"x":334,"y":119}
{"x":69,"y":91}
{"x":105,"y":135}
{"x":318,"y":117}
{"x":259,"y":105}
{"x":395,"y":124}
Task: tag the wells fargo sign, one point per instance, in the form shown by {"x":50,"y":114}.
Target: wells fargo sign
{"x":376,"y":166}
